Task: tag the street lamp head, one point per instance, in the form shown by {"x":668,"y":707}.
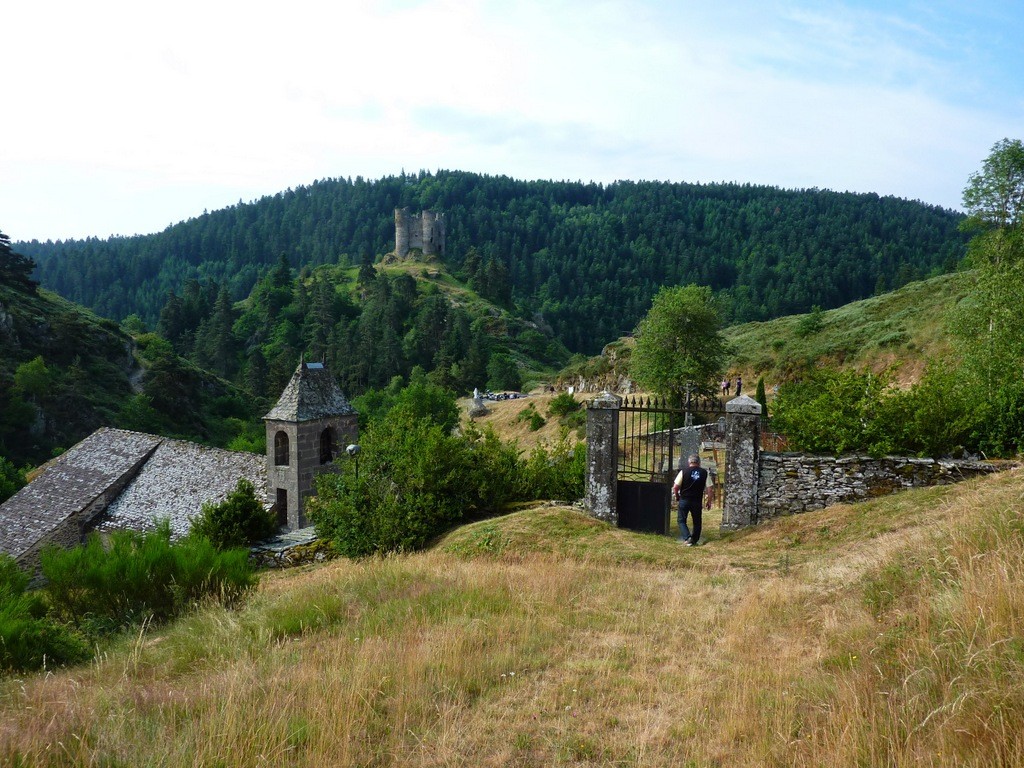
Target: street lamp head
{"x":353,"y":449}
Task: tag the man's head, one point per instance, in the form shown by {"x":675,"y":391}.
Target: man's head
{"x":694,"y":460}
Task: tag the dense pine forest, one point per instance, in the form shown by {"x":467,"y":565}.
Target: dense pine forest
{"x":561,"y":253}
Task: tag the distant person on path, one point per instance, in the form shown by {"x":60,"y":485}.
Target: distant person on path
{"x":726,"y":385}
{"x":689,"y":489}
{"x":739,"y":386}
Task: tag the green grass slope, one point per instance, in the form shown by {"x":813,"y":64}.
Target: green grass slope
{"x":884,"y":633}
{"x":900,"y":330}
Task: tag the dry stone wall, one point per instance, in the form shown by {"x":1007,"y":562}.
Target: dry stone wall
{"x":796,"y":482}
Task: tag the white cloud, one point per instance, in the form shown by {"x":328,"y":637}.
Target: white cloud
{"x":124,"y":116}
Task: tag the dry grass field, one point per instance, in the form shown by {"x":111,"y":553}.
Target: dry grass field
{"x":889,"y":633}
{"x":504,"y":418}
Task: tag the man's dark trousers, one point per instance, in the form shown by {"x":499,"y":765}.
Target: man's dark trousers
{"x":696,"y":510}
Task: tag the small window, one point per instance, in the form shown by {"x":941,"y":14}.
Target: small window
{"x":328,"y":447}
{"x":282,"y":507}
{"x":281,"y":457}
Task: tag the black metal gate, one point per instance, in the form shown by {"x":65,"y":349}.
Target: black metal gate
{"x":647,"y":458}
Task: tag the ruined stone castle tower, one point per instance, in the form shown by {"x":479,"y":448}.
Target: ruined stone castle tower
{"x":425,"y":232}
{"x":305,"y":430}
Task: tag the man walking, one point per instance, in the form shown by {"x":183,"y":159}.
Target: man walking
{"x":689,"y":489}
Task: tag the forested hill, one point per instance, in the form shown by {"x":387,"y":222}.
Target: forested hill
{"x":589,"y":257}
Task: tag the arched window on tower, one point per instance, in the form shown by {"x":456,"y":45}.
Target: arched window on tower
{"x":328,"y":446}
{"x":281,"y":458}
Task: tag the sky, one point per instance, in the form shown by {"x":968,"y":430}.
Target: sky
{"x":122,"y":118}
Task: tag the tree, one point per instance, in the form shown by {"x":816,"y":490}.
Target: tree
{"x":238,"y":521}
{"x":11,"y":479}
{"x":215,"y":346}
{"x":33,"y":379}
{"x":679,"y":341}
{"x":762,"y":397}
{"x":989,"y":324}
{"x":503,"y":373}
{"x":994,"y":197}
{"x":15,"y":269}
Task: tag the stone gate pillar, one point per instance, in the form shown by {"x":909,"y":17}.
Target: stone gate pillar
{"x":602,"y":444}
{"x":742,"y":456}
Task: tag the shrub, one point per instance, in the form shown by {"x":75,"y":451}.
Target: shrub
{"x":28,"y":638}
{"x":532,"y":417}
{"x":140,"y":576}
{"x":834,"y":412}
{"x":556,"y":474}
{"x":238,"y":521}
{"x":811,"y":323}
{"x":415,"y":482}
{"x":999,"y":430}
{"x":563,"y":404}
{"x":412,"y":486}
{"x":11,"y":479}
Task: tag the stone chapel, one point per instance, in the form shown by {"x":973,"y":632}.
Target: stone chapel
{"x":116,"y":479}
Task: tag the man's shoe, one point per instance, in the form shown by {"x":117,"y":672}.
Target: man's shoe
{"x":689,"y":543}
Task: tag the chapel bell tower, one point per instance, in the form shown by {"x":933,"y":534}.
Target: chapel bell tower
{"x":311,"y":422}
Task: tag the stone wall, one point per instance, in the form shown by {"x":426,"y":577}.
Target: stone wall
{"x":292,"y":556}
{"x":425,"y":231}
{"x":759,"y":485}
{"x":297,"y":477}
{"x":795,"y":482}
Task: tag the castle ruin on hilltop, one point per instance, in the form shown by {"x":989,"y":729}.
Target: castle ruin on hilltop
{"x":425,"y":232}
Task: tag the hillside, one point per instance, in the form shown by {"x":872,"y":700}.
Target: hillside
{"x":570,"y":251}
{"x":899,"y":330}
{"x":884,"y":633}
{"x":65,"y":372}
{"x":896,"y":331}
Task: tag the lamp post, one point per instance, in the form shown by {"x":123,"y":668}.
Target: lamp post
{"x":353,"y":452}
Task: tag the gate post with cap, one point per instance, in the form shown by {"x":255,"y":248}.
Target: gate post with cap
{"x":742,"y":459}
{"x":602,"y":446}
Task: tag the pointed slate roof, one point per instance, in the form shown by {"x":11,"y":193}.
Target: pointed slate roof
{"x":311,"y":394}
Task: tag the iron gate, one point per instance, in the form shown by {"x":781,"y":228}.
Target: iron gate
{"x":647,"y":457}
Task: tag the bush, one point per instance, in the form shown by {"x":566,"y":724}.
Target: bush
{"x":238,"y":521}
{"x":834,"y":412}
{"x":141,"y":576}
{"x":811,"y":323}
{"x":556,"y":474}
{"x":532,"y":417}
{"x":411,"y":487}
{"x":11,"y":479}
{"x":999,"y":430}
{"x":563,"y":404}
{"x":424,"y":398}
{"x":28,"y":638}
{"x":415,"y":482}
{"x":844,"y":411}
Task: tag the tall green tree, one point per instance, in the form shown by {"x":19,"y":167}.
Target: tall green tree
{"x":15,"y":269}
{"x":679,"y":342}
{"x":990,"y":324}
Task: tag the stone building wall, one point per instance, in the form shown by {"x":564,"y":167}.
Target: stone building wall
{"x":796,"y":482}
{"x":425,"y":231}
{"x":297,"y":477}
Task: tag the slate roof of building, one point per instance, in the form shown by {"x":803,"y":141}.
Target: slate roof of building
{"x":165,"y":479}
{"x":176,"y":481}
{"x":68,"y":485}
{"x":312,"y":393}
